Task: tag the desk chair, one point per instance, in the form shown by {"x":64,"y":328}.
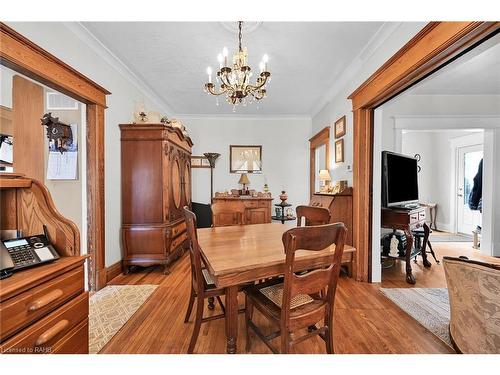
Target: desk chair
{"x":296,"y":303}
{"x":313,"y":215}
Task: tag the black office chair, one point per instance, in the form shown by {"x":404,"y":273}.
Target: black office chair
{"x":203,"y":214}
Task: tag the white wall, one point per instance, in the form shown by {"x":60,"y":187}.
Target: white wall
{"x":381,"y":48}
{"x":285,"y":154}
{"x":73,"y":46}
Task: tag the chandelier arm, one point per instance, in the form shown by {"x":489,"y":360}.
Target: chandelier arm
{"x":256,"y":87}
{"x":213,"y":92}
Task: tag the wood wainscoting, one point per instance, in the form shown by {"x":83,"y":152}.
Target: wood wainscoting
{"x":437,"y":44}
{"x":113,"y":271}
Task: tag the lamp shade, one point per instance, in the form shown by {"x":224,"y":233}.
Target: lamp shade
{"x":244,"y":179}
{"x":324,"y":175}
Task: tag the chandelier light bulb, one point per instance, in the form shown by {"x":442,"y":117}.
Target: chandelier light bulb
{"x":225,"y":53}
{"x":209,"y":72}
{"x":262,"y":66}
{"x":220,"y":59}
{"x":265,"y":59}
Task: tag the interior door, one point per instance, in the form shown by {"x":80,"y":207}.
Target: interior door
{"x":467,"y":167}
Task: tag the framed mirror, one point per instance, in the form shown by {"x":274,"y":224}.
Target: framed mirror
{"x":319,"y":146}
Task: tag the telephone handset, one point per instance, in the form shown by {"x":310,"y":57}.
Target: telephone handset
{"x":19,"y":253}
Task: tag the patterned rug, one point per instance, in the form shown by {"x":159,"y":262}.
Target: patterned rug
{"x":110,"y":308}
{"x":428,"y":306}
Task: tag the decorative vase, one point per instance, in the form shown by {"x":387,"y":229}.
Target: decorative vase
{"x":266,"y":188}
{"x":278,"y":211}
{"x":283,"y":197}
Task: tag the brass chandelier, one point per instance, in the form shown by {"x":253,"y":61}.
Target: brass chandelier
{"x":234,"y":80}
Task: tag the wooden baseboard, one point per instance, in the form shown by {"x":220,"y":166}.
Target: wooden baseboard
{"x":113,"y":271}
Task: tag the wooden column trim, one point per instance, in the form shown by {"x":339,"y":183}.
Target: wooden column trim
{"x":437,"y":44}
{"x":95,"y":198}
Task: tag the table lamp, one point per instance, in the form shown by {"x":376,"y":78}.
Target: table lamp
{"x":324,"y":176}
{"x":244,"y":181}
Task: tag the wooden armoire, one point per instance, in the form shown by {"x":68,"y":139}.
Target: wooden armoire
{"x":156,"y":185}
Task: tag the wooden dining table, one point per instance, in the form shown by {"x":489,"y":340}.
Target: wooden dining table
{"x":236,"y":255}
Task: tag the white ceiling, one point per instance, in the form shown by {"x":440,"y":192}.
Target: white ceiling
{"x":475,"y":73}
{"x":305,"y":59}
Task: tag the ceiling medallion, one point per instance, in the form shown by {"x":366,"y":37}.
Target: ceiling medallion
{"x":234,"y":81}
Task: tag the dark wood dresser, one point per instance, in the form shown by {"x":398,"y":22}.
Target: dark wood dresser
{"x":156,"y":185}
{"x":43,"y":309}
{"x":241,"y":210}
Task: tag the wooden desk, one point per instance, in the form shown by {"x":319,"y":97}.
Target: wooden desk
{"x":240,"y":254}
{"x":407,"y":220}
{"x":43,"y":309}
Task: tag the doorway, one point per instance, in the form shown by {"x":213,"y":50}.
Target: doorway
{"x":468,"y":160}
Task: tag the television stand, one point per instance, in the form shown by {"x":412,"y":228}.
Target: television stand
{"x":408,"y":220}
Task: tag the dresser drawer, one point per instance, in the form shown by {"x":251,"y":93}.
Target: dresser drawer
{"x":414,"y":218}
{"x":178,"y":229}
{"x":421,"y":216}
{"x":75,"y":342}
{"x":45,"y":334}
{"x":35,"y":303}
{"x":176,"y":242}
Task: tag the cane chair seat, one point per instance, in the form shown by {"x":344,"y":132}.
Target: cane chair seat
{"x":208,"y":277}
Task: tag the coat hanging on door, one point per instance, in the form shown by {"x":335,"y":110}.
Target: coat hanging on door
{"x":476,"y":195}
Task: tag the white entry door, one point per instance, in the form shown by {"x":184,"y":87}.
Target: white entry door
{"x":467,"y":167}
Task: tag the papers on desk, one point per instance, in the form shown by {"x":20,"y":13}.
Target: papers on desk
{"x":62,"y":166}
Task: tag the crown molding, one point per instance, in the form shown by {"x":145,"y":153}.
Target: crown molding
{"x":101,"y":50}
{"x":382,"y":34}
{"x":235,"y":116}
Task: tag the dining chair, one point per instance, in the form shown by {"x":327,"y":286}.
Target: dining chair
{"x":202,"y":285}
{"x":313,"y":215}
{"x":297,"y":303}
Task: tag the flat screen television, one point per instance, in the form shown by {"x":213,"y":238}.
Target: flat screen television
{"x":399,"y":180}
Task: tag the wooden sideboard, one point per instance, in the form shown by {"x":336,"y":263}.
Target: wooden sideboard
{"x":340,"y":206}
{"x":156,"y":185}
{"x":43,"y":309}
{"x":241,"y":210}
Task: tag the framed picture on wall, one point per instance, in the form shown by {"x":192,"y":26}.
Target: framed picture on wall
{"x":245,"y":159}
{"x":199,"y":162}
{"x":340,"y":127}
{"x":339,"y":151}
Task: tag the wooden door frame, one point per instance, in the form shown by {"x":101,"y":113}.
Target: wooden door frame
{"x":320,"y":138}
{"x":27,"y":58}
{"x":437,"y":44}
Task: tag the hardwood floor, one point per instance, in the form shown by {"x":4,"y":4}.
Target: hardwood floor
{"x":365,"y":321}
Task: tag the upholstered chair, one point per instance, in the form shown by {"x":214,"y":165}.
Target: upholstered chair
{"x":474,"y":291}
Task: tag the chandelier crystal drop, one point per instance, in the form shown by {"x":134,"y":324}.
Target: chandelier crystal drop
{"x":235,"y":81}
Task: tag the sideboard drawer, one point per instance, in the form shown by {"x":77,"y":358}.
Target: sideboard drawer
{"x":251,"y":204}
{"x":42,"y":336}
{"x":414,"y":218}
{"x":264,"y":203}
{"x":421,"y":215}
{"x":31,"y":305}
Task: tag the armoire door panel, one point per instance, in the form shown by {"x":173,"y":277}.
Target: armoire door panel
{"x":142,"y":185}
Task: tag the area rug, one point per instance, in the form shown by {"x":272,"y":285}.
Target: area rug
{"x":449,"y":237}
{"x":428,"y":306}
{"x":110,"y":308}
